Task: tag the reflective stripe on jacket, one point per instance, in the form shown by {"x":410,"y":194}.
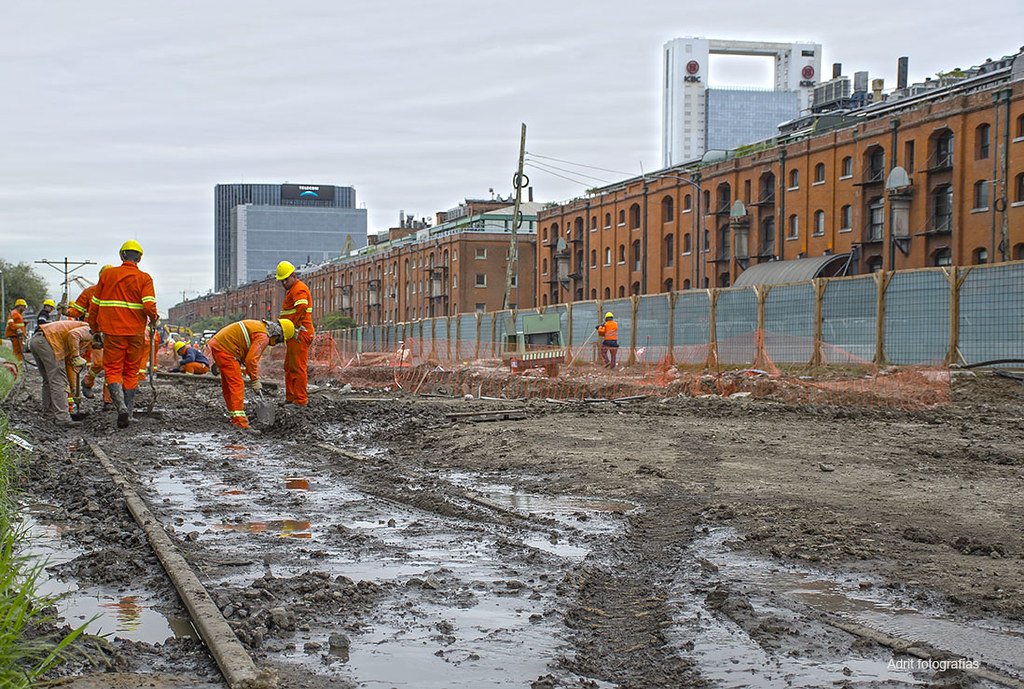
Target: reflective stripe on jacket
{"x":123,"y":302}
{"x":15,"y":324}
{"x":244,"y":340}
{"x":297,"y":307}
{"x":609,"y":330}
{"x":80,"y":309}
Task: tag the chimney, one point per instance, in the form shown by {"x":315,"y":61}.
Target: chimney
{"x":837,"y":70}
{"x":877,"y":86}
{"x":860,"y":81}
{"x":901,"y":73}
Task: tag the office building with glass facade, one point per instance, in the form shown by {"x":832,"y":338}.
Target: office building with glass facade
{"x":741,"y":116}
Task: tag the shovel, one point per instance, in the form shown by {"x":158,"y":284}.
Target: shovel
{"x":265,"y":411}
{"x":77,"y":415}
{"x":152,"y":369}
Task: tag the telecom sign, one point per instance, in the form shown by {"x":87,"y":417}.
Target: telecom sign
{"x":306,"y":192}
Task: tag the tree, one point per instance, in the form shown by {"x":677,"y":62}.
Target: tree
{"x":336,"y":320}
{"x":21,"y":281}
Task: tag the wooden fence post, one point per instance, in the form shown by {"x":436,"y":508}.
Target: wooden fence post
{"x":712,"y":360}
{"x":634,"y":307}
{"x":955,"y":276}
{"x":672,"y":327}
{"x":882,"y":279}
{"x":819,"y":285}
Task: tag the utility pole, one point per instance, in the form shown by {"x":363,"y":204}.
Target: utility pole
{"x":68,"y":268}
{"x":518,"y":181}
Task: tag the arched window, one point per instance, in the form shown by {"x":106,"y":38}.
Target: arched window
{"x":607,"y":220}
{"x":942,"y":257}
{"x":979,"y":256}
{"x":1018,"y":188}
{"x":768,"y":236}
{"x":593,"y":222}
{"x":667,"y":210}
{"x":724,"y":195}
{"x":794,"y":227}
{"x":687,"y":203}
{"x":1018,"y":251}
{"x":819,"y":173}
{"x":981,"y":195}
{"x":622,"y":217}
{"x":622,"y":291}
{"x":607,"y":255}
{"x":607,"y":293}
{"x":847,"y":168}
{"x":686,"y":243}
{"x":593,"y":258}
{"x":686,"y":283}
{"x":634,"y":216}
{"x":794,"y":179}
{"x":982,"y":141}
{"x":874,"y":264}
{"x":876,"y":218}
{"x":554,"y":231}
{"x":622,"y":253}
{"x":670,"y":251}
{"x":941,"y":156}
{"x":667,"y":286}
{"x":819,"y":223}
{"x":724,"y":242}
{"x":636,"y":255}
{"x":544,"y":267}
{"x":942,"y":208}
{"x":846,"y":218}
{"x":634,"y":288}
{"x":593,"y":293}
{"x":874,"y":159}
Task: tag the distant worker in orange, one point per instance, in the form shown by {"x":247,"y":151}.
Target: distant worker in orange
{"x":242,"y":344}
{"x":297,"y":308}
{"x":191,"y":360}
{"x":609,"y":334}
{"x":123,"y":303}
{"x":15,"y":330}
{"x":80,"y":310}
{"x":58,"y":349}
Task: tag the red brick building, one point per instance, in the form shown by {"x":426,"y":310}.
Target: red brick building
{"x":810,"y":193}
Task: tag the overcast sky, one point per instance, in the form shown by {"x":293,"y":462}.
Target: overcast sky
{"x":118,"y":118}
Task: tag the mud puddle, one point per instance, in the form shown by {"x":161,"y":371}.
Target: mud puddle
{"x":462,"y":603}
{"x":121,"y":613}
{"x":746,"y":618}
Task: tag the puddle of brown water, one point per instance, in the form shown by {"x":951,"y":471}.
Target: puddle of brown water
{"x":286,"y":528}
{"x":296,"y":484}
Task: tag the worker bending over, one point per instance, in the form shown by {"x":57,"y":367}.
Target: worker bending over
{"x":191,"y":360}
{"x":15,"y":330}
{"x":123,"y":302}
{"x":239,"y":344}
{"x":297,"y":309}
{"x":80,"y":311}
{"x":609,"y":334}
{"x":58,"y":349}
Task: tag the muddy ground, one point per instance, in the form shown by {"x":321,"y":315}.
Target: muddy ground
{"x":383,"y":539}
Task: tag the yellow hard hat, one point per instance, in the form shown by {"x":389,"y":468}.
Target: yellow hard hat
{"x":131,"y":245}
{"x":287,"y":328}
{"x":608,"y":315}
{"x":284,"y":269}
{"x":50,"y":302}
{"x":104,"y":268}
{"x":21,"y":302}
{"x":178,"y":346}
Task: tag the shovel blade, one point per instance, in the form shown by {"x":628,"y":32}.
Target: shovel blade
{"x":265,"y":412}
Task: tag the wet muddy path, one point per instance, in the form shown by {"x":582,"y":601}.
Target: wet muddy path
{"x":402,"y":543}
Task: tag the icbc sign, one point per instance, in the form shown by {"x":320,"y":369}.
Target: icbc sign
{"x":807,"y":72}
{"x":692,"y":67}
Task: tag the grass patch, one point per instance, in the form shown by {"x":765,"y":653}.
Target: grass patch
{"x":6,"y":377}
{"x":31,"y":639}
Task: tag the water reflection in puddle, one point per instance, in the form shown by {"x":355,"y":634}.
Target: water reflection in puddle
{"x":286,"y":528}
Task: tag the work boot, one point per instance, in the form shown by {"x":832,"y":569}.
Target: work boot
{"x":87,"y":391}
{"x":129,"y":402}
{"x":117,"y":394}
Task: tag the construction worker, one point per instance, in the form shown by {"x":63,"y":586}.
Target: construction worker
{"x":609,"y":334}
{"x":80,"y":310}
{"x":123,"y":302}
{"x":47,"y":313}
{"x":297,"y":309}
{"x":15,"y":330}
{"x":191,"y":359}
{"x":242,"y":343}
{"x":58,"y":349}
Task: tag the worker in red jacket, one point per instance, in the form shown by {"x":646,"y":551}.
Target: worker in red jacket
{"x":15,"y":330}
{"x":242,"y":344}
{"x":297,"y":308}
{"x":123,"y":303}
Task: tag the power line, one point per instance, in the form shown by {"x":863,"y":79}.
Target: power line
{"x":555,"y":174}
{"x":592,"y":167}
{"x":545,"y":166}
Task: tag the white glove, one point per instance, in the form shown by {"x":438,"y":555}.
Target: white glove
{"x":257,"y":385}
{"x":78,"y":362}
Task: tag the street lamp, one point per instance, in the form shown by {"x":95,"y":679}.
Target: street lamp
{"x":3,"y":294}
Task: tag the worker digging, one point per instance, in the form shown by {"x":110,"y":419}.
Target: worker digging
{"x":242,"y":344}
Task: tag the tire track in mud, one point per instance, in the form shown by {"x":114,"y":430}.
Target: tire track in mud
{"x":619,"y":609}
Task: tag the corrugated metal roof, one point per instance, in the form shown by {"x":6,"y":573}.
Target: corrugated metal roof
{"x":796,"y":270}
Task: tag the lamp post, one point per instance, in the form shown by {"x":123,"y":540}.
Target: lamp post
{"x":3,"y":294}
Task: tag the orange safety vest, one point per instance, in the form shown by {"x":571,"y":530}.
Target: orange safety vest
{"x":123,"y":302}
{"x":67,"y":338}
{"x":82,"y":304}
{"x":297,"y":307}
{"x":609,"y":330}
{"x":15,"y":324}
{"x":244,"y":340}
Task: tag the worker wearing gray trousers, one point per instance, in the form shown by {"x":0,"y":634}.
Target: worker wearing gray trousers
{"x":58,"y":348}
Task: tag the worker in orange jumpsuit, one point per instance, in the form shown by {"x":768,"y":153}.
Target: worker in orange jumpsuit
{"x":15,"y":330}
{"x":298,"y":309}
{"x":123,"y":302}
{"x":58,"y":349}
{"x":191,"y":360}
{"x":80,"y":310}
{"x":244,"y":342}
{"x":609,"y":334}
